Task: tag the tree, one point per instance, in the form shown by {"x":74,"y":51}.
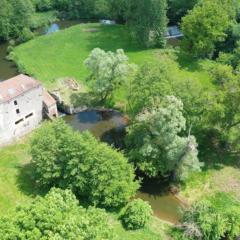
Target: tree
{"x":148,"y":21}
{"x":44,"y":5}
{"x":152,"y":80}
{"x":164,"y":78}
{"x":68,"y":159}
{"x":80,"y":9}
{"x":221,"y":73}
{"x":179,"y":8}
{"x":136,"y":214}
{"x":108,"y":71}
{"x":56,"y":216}
{"x":212,"y":18}
{"x":154,"y":143}
{"x":15,"y":16}
{"x":213,"y":218}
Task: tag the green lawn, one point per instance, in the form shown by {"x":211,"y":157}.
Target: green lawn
{"x":62,"y":54}
{"x":17,"y":187}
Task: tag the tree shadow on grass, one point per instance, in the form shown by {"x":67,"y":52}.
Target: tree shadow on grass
{"x":188,"y":62}
{"x":26,"y":182}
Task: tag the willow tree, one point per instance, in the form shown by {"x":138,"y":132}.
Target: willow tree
{"x":156,"y":144}
{"x":148,"y":21}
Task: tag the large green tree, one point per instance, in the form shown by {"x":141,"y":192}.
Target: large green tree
{"x":109,"y":71}
{"x":155,"y":144}
{"x":164,"y":78}
{"x":56,"y":216}
{"x":205,"y":25}
{"x":15,"y":18}
{"x":148,"y":21}
{"x":68,"y":159}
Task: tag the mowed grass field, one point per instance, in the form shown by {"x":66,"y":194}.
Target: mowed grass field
{"x":62,"y":54}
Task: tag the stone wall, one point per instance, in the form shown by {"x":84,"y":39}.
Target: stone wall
{"x":20,"y":115}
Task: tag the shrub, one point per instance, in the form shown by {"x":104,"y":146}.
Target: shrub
{"x":213,"y":218}
{"x":136,"y":214}
{"x":56,"y":216}
{"x":68,"y":159}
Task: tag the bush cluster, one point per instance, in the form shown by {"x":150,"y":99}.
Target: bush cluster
{"x":136,"y":214}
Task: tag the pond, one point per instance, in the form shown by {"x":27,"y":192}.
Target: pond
{"x":109,"y":126}
{"x":8,"y":69}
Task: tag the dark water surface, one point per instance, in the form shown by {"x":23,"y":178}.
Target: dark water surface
{"x":7,"y":68}
{"x":109,"y":126}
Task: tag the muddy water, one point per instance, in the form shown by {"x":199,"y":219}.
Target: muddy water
{"x":110,"y":127}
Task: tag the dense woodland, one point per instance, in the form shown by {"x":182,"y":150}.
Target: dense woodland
{"x":177,"y":124}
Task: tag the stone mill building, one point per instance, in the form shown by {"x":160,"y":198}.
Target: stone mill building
{"x":23,"y":105}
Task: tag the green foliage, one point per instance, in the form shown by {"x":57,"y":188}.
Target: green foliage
{"x":154,"y":143}
{"x":147,"y":20}
{"x":44,"y":5}
{"x":80,"y":9}
{"x":56,"y":216}
{"x":212,"y":18}
{"x":231,"y":58}
{"x":108,"y":71}
{"x":93,"y":170}
{"x":212,"y":219}
{"x":136,"y":214}
{"x":15,"y":17}
{"x":222,"y":73}
{"x":178,"y":8}
{"x":152,"y":80}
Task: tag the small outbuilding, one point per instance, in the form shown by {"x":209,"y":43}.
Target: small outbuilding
{"x":173,"y":32}
{"x":49,"y":105}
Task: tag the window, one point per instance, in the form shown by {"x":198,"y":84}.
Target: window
{"x":29,"y":115}
{"x":17,"y":122}
{"x":15,"y":102}
{"x":17,"y":111}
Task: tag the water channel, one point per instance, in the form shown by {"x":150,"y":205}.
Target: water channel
{"x":108,"y":126}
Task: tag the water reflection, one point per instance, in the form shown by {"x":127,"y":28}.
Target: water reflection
{"x":109,"y":126}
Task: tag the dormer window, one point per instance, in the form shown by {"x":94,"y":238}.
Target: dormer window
{"x":17,"y":111}
{"x":15,"y":102}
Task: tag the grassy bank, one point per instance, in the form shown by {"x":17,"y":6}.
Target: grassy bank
{"x":62,"y":54}
{"x":222,"y":179}
{"x":17,"y":187}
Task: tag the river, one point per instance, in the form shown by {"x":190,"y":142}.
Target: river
{"x":109,"y":126}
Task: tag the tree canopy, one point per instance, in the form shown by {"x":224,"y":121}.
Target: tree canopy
{"x":108,"y":71}
{"x":56,"y":216}
{"x":212,"y":18}
{"x":68,"y":159}
{"x":148,"y":21}
{"x":154,"y":143}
